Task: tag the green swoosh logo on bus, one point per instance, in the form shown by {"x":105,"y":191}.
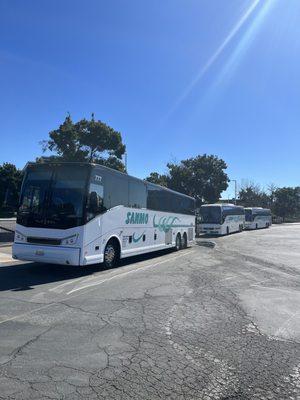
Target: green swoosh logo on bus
{"x":165,"y":223}
{"x":135,"y":240}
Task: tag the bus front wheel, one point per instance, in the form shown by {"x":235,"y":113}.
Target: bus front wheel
{"x":227,"y":230}
{"x":111,"y":254}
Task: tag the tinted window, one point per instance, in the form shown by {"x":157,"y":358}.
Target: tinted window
{"x":230,"y":210}
{"x":65,"y":207}
{"x":53,"y":196}
{"x":34,"y":191}
{"x":153,"y":197}
{"x":137,"y":194}
{"x":187,"y":206}
{"x":264,"y":212}
{"x":164,"y":200}
{"x":210,"y":215}
{"x":248,"y":215}
{"x":159,"y":199}
{"x":95,"y":200}
{"x":115,"y":190}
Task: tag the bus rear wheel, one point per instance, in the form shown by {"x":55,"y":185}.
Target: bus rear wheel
{"x":227,"y":230}
{"x":111,"y":254}
{"x":178,"y":242}
{"x":184,"y":241}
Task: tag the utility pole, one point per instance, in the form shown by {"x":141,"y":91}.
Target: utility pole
{"x":126,"y":162}
{"x":235,"y":189}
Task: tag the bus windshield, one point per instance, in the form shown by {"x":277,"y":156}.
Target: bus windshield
{"x":53,"y":197}
{"x":248,"y":215}
{"x":211,"y":215}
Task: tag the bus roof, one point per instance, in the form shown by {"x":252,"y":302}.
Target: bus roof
{"x":256,"y":208}
{"x":105,"y":168}
{"x":221,"y":205}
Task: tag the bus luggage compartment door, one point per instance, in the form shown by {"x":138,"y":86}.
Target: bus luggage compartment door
{"x":168,"y":237}
{"x":190,"y":234}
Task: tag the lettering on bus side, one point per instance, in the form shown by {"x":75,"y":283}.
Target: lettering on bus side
{"x":136,"y":218}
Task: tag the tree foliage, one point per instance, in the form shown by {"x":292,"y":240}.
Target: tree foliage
{"x":251,"y":195}
{"x":284,"y":202}
{"x":287,"y":202}
{"x":86,"y":141}
{"x":202,"y":177}
{"x":10,"y":184}
{"x":158,"y":179}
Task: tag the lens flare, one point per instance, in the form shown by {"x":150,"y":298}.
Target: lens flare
{"x":244,"y":43}
{"x":232,"y":34}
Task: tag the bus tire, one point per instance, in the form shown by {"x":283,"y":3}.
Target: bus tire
{"x":184,"y":241}
{"x":111,"y":255}
{"x":227,"y":230}
{"x":178,"y":242}
{"x":256,"y":226}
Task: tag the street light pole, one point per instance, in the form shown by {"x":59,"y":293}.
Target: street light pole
{"x":126,"y":162}
{"x":235,"y":189}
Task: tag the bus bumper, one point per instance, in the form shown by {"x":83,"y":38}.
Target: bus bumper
{"x":248,"y":226}
{"x":211,"y":230}
{"x":46,"y":254}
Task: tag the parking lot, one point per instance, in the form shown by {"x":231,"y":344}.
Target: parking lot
{"x":218,"y":322}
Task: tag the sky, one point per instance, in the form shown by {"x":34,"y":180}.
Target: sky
{"x":177,"y":78}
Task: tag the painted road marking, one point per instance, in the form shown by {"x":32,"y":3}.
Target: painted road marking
{"x":45,"y":306}
{"x":5,"y":258}
{"x":125,"y":273}
{"x":59,"y":288}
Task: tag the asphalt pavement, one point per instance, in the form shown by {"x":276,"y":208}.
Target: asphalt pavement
{"x":218,"y":322}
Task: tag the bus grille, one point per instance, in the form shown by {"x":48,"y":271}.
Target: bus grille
{"x":37,"y":240}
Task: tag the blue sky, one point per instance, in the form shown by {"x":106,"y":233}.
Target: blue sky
{"x":177,"y":77}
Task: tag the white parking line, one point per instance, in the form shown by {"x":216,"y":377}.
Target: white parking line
{"x":5,"y":258}
{"x":93,"y":288}
{"x":58,"y":288}
{"x":120,"y":275}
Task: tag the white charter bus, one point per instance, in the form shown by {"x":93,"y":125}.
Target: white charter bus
{"x":221,"y":219}
{"x":257,"y":217}
{"x":80,"y":214}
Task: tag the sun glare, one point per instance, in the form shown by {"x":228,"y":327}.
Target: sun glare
{"x":258,"y":9}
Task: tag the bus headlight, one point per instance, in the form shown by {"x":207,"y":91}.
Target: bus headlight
{"x":19,"y":237}
{"x":69,"y":240}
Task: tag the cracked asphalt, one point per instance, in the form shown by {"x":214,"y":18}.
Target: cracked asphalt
{"x":204,"y":323}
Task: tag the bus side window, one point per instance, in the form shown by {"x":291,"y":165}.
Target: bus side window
{"x":116,"y":191}
{"x":137,"y":194}
{"x":95,"y":201}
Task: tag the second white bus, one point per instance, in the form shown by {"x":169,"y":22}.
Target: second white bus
{"x":221,"y":219}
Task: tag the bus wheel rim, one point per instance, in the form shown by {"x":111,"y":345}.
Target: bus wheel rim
{"x":109,"y":254}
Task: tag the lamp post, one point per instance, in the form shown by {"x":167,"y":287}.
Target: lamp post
{"x":235,"y":189}
{"x":126,"y":162}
